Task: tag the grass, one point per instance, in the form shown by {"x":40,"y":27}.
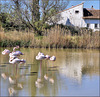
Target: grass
{"x":55,"y":37}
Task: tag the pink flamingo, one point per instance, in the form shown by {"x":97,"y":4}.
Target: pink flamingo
{"x":13,"y":53}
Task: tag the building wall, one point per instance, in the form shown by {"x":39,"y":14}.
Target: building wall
{"x":69,"y":17}
{"x":92,"y":24}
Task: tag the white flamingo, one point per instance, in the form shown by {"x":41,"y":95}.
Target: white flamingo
{"x":47,"y":58}
{"x":14,"y":60}
{"x":40,"y":56}
{"x":5,"y":52}
{"x":53,"y":58}
{"x":14,"y":53}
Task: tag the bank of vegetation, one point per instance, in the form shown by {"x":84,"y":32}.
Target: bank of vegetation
{"x":54,"y":37}
{"x":24,"y":23}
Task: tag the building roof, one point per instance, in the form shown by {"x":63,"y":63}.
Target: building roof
{"x":91,"y":14}
{"x":88,"y":13}
{"x":70,"y":8}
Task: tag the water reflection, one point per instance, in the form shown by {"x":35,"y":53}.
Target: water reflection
{"x":39,"y":81}
{"x":78,"y":64}
{"x":72,"y":73}
{"x":13,"y":79}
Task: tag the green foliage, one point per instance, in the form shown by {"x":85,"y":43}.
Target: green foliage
{"x":8,"y":25}
{"x":41,"y":27}
{"x":10,"y":43}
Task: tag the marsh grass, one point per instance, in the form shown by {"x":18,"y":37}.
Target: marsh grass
{"x":55,"y":37}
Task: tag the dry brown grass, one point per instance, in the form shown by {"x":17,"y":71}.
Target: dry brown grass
{"x":55,"y":37}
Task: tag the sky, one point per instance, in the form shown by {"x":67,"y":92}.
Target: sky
{"x":87,"y":3}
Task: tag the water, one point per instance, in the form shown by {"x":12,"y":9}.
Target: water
{"x":74,"y":73}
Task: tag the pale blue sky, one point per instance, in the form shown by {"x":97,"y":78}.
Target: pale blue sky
{"x":87,"y":3}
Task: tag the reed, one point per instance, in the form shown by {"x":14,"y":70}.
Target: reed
{"x":55,"y":37}
{"x":16,"y":38}
{"x":58,"y":37}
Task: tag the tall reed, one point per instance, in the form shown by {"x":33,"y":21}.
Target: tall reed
{"x":16,"y":38}
{"x":55,"y":37}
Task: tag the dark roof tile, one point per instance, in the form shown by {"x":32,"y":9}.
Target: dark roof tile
{"x":91,"y":14}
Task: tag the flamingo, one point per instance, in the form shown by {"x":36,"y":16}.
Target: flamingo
{"x":15,"y":48}
{"x":53,"y":58}
{"x":47,"y":58}
{"x":40,"y":56}
{"x":5,"y":52}
{"x":14,"y":60}
{"x":14,"y":53}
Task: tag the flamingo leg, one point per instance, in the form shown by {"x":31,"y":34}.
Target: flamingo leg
{"x":16,"y":72}
{"x":13,"y":69}
{"x":40,"y":67}
{"x":16,"y":68}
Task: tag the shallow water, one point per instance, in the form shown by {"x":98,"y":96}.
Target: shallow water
{"x":74,"y":73}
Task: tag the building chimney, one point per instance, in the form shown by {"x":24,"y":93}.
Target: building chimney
{"x":92,"y":7}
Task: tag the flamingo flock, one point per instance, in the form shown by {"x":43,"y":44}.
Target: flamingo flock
{"x":41,"y":56}
{"x":14,"y":55}
{"x":14,"y":59}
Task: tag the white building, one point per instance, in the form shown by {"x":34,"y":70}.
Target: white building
{"x":81,"y":17}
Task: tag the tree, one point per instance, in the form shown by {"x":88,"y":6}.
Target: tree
{"x":35,"y":13}
{"x":50,"y":8}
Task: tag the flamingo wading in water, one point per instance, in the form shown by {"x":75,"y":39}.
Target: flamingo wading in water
{"x":13,"y":53}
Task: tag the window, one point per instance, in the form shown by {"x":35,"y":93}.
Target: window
{"x":76,"y":11}
{"x":88,"y":25}
{"x":96,"y":25}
